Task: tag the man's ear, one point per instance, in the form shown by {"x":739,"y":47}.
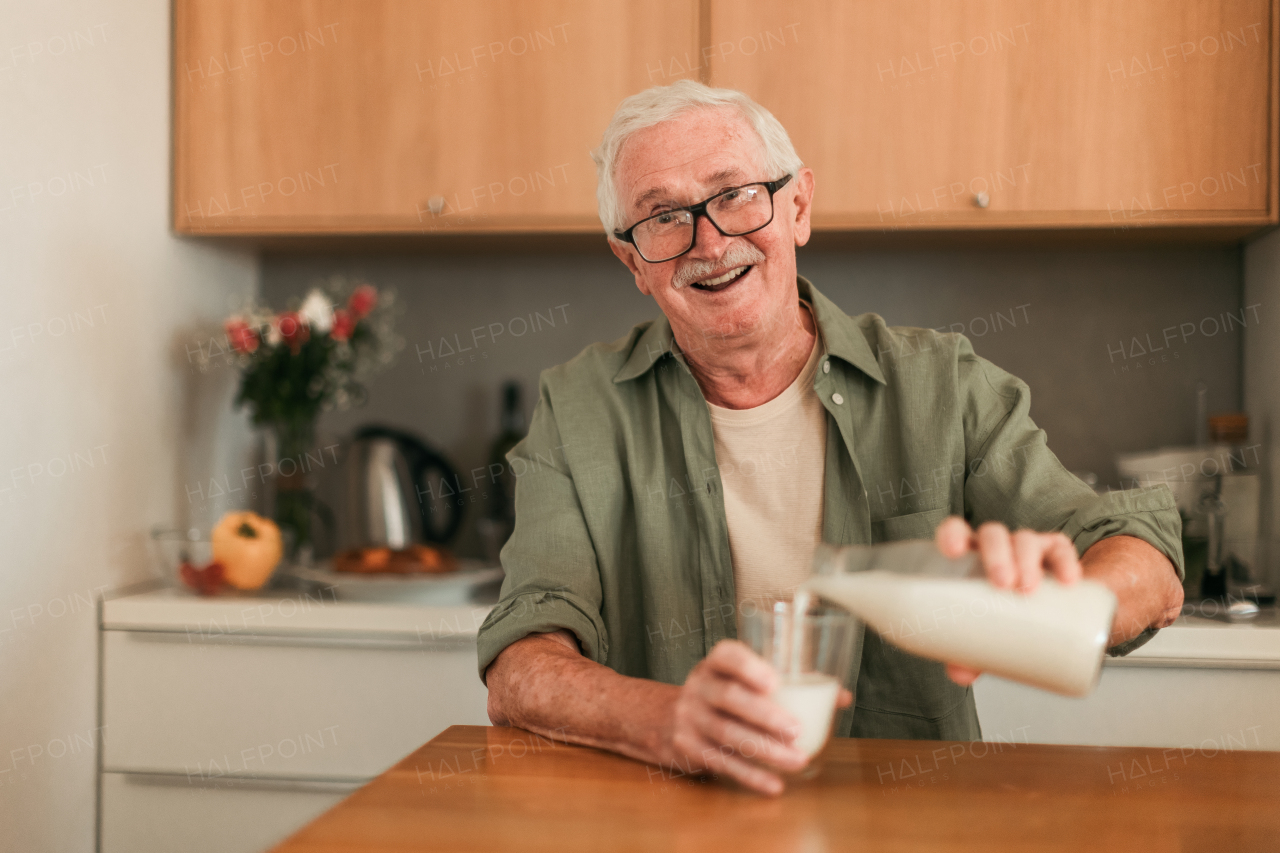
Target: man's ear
{"x":803,"y":201}
{"x":627,"y":255}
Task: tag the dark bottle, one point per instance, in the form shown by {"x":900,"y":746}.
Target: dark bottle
{"x":1213,"y":583}
{"x":511,"y":430}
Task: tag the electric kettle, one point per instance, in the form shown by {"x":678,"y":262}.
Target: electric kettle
{"x":398,"y":491}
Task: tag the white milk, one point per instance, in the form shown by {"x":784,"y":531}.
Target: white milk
{"x":811,"y":699}
{"x":1053,"y":638}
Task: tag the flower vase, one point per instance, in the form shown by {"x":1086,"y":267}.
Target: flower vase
{"x":291,"y":495}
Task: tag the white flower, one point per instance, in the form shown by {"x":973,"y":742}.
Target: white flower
{"x":317,"y":311}
{"x":273,"y":334}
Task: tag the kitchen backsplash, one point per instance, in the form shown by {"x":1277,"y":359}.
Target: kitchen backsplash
{"x":1112,"y":343}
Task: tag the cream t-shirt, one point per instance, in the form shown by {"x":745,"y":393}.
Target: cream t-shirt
{"x":772,"y":461}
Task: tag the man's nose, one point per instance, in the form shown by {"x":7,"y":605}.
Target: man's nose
{"x":710,"y":243}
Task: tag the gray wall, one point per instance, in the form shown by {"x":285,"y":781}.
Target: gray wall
{"x":1261,"y":391}
{"x":1063,"y":320}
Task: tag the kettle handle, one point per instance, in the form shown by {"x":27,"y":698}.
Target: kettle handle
{"x":421,"y":460}
{"x":429,"y":460}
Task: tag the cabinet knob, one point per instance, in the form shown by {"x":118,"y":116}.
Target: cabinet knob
{"x":981,"y":199}
{"x":435,"y":204}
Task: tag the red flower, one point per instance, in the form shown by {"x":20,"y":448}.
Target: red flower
{"x":362,"y":300}
{"x":343,"y":325}
{"x":293,"y":329}
{"x":240,"y":335}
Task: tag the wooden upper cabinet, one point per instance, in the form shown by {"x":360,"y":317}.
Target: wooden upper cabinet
{"x":404,"y":116}
{"x":1057,"y":113}
{"x":412,"y":116}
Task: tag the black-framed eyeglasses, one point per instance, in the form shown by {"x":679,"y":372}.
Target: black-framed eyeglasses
{"x":734,"y":212}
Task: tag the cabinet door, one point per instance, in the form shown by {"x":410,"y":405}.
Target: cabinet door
{"x":981,"y":113}
{"x":352,"y":116}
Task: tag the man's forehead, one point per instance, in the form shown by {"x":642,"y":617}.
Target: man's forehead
{"x":685,"y":156}
{"x":664,"y":184}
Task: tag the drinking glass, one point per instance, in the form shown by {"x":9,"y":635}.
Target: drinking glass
{"x":812,"y":653}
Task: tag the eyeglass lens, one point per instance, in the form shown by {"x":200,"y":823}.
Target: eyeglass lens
{"x":736,"y":212}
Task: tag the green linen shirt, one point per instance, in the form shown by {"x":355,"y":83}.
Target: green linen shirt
{"x":621,"y":537}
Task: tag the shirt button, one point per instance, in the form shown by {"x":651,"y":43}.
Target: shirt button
{"x":826,"y":366}
{"x":837,"y":399}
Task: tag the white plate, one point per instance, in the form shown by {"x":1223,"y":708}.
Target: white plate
{"x":449,"y":588}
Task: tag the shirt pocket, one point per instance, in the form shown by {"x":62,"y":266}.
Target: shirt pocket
{"x":916,"y":525}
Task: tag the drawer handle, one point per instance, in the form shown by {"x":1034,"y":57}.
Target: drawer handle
{"x":259,"y":783}
{"x":373,"y":643}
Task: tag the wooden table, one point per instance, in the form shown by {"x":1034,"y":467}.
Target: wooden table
{"x":498,"y":789}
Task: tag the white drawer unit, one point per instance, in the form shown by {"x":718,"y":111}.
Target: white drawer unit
{"x":230,"y":722}
{"x":254,"y":705}
{"x":1199,"y":684}
{"x":1140,"y":706}
{"x":155,"y":813}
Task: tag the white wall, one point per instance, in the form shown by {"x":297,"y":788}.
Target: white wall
{"x":96,"y":300}
{"x":1262,"y":383}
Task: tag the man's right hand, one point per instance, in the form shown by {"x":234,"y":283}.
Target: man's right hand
{"x":724,"y":721}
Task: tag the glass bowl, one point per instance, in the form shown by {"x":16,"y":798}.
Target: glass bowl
{"x":172,"y":546}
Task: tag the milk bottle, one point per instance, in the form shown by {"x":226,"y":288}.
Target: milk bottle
{"x":1054,"y":637}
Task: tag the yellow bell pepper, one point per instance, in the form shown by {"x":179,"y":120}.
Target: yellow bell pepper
{"x":249,"y":548}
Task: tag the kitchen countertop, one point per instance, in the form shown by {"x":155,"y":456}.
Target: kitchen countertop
{"x":486,"y":788}
{"x":1192,"y":641}
{"x":288,"y":612}
{"x":1200,"y":641}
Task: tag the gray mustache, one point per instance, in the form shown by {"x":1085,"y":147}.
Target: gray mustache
{"x":737,"y":255}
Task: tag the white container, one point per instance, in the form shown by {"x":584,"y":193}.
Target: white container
{"x":1053,"y":638}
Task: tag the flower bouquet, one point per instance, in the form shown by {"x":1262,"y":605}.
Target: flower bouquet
{"x":298,"y":363}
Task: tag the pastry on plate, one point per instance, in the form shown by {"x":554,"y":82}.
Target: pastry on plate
{"x":416,"y":559}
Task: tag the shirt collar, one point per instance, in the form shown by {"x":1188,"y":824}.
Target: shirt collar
{"x":840,"y":333}
{"x":652,"y":346}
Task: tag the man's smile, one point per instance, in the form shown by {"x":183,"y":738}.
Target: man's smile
{"x":724,"y":280}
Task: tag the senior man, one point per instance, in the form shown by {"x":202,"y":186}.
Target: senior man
{"x":696,"y":463}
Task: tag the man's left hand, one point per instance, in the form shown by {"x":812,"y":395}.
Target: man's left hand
{"x":1011,"y":561}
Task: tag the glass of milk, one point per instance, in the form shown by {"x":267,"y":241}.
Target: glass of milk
{"x":812,"y":653}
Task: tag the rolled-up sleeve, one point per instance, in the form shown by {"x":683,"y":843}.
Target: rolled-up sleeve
{"x":1149,"y":514}
{"x":552,"y":577}
{"x":1014,"y":478}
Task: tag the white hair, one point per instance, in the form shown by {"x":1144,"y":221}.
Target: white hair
{"x":664,"y":103}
